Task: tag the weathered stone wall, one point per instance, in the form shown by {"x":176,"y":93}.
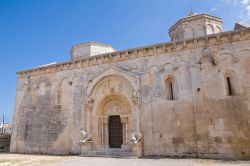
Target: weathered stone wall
{"x":204,"y":121}
{"x":5,"y":142}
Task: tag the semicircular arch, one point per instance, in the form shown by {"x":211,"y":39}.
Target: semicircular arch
{"x":115,"y":104}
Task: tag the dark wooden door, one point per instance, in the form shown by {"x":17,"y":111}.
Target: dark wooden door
{"x":115,"y":132}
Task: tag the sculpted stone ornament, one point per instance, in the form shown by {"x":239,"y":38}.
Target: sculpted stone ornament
{"x":85,"y":137}
{"x":89,"y":100}
{"x":236,"y":59}
{"x":136,"y":138}
{"x":135,"y":96}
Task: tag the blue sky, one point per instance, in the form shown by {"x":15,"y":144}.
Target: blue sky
{"x":37,"y":32}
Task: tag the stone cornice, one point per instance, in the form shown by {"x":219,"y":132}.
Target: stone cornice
{"x":151,"y":50}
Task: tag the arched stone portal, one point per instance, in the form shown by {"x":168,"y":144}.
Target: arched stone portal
{"x":115,"y":120}
{"x":113,"y":97}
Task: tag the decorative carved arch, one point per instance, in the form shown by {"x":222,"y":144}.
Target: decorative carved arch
{"x":166,"y":65}
{"x":223,"y":56}
{"x":154,"y":68}
{"x":209,"y":55}
{"x":111,"y":98}
{"x":242,"y":54}
{"x":133,"y":79}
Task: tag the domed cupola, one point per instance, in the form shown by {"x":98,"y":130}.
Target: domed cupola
{"x":195,"y":25}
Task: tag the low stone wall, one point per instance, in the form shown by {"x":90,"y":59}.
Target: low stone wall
{"x":4,"y":142}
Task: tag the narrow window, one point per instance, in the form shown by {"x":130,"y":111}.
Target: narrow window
{"x":171,"y":89}
{"x":229,"y":87}
{"x":59,"y":97}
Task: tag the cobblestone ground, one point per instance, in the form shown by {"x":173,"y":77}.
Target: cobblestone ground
{"x":39,"y":160}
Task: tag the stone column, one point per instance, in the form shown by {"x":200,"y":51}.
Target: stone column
{"x":124,"y":121}
{"x":88,"y":109}
{"x":136,"y":107}
{"x":88,"y":119}
{"x":136,"y":147}
{"x":105,"y":136}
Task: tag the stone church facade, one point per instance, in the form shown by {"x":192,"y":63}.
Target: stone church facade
{"x":186,"y":97}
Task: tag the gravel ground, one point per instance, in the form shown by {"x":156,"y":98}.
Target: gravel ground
{"x":7,"y":159}
{"x":41,"y":160}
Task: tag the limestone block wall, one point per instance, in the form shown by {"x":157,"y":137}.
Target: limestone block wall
{"x":203,"y":120}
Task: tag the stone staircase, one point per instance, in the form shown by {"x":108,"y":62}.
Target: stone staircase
{"x":112,"y":152}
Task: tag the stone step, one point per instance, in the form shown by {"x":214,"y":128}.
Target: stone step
{"x":109,"y":153}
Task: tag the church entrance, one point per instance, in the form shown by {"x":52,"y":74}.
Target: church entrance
{"x":115,"y":132}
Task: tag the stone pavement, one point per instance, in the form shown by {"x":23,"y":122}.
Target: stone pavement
{"x":88,"y":161}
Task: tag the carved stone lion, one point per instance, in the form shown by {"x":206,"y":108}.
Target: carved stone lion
{"x":85,"y":137}
{"x":136,"y":137}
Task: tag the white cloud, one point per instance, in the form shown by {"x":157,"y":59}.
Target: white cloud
{"x":248,"y":10}
{"x":213,"y":9}
{"x":244,"y":14}
{"x":245,"y":2}
{"x":231,"y":1}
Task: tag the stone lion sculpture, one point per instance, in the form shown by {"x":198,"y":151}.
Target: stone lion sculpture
{"x":85,"y":137}
{"x":136,"y":137}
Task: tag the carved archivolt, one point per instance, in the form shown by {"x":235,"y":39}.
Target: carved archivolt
{"x":217,"y":58}
{"x":132,"y":79}
{"x":154,"y":68}
{"x":116,"y":104}
{"x":227,"y":58}
{"x":166,"y":67}
{"x":209,"y":56}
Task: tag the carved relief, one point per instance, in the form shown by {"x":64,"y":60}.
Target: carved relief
{"x":89,"y":101}
{"x":209,"y":57}
{"x":135,"y":96}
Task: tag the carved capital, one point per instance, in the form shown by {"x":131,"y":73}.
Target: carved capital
{"x":88,"y":102}
{"x":105,"y":120}
{"x":135,"y":97}
{"x":124,"y":120}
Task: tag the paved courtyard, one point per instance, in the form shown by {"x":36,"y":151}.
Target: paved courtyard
{"x":40,"y":160}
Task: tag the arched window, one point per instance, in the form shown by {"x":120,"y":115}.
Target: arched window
{"x":210,"y":29}
{"x":189,"y":33}
{"x":230,"y":84}
{"x":218,"y":29}
{"x":171,"y":89}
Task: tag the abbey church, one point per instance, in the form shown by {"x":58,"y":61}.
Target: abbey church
{"x":189,"y":97}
